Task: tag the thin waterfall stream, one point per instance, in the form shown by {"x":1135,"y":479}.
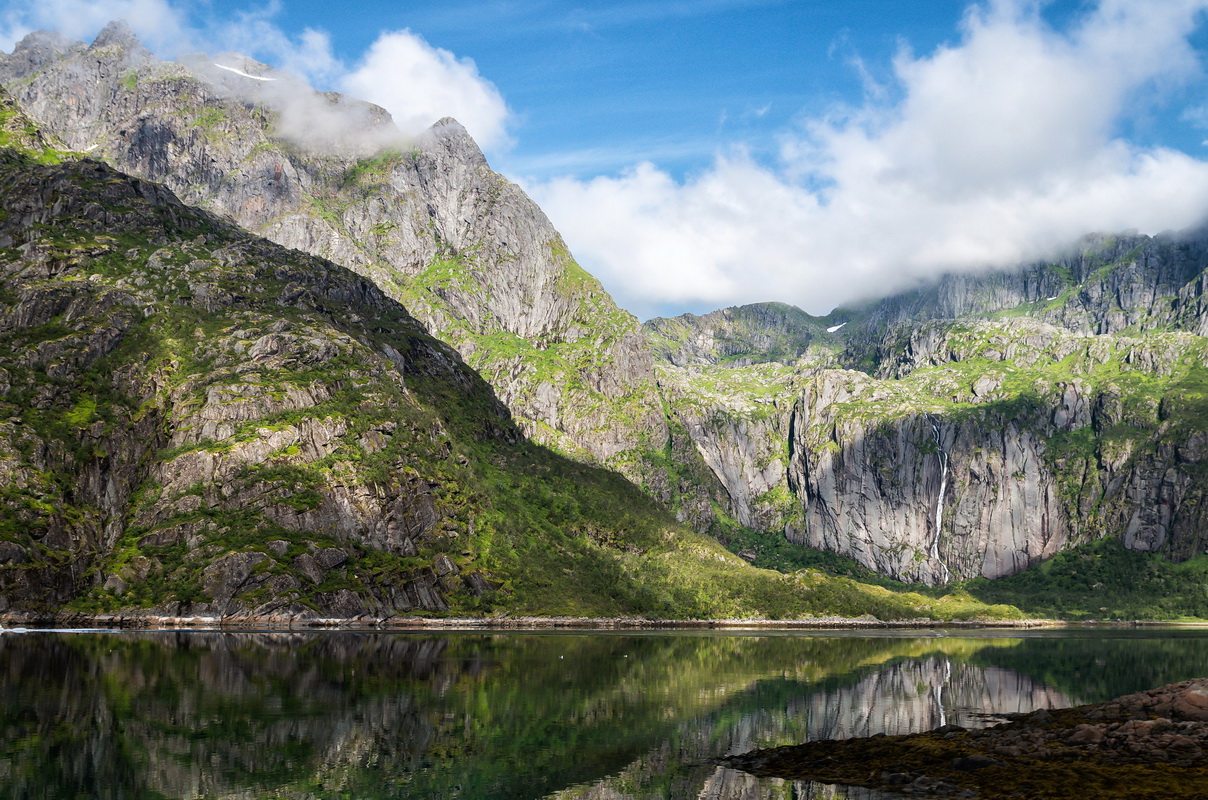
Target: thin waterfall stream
{"x":939,"y":503}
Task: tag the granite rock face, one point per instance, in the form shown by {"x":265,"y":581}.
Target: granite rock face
{"x":195,"y":421}
{"x":919,"y":497}
{"x":467,"y":252}
{"x":979,"y":426}
{"x":739,"y":336}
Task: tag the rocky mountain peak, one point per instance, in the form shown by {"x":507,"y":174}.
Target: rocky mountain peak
{"x":450,"y":136}
{"x":736,"y":336}
{"x":119,"y":34}
{"x":36,"y":50}
{"x":118,"y":47}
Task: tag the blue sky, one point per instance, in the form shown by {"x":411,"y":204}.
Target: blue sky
{"x":703,"y":154}
{"x":596,"y":88}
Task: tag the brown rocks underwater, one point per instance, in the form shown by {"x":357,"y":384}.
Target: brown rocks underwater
{"x":1148,"y":744}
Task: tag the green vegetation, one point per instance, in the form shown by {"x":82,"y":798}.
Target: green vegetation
{"x":743,"y":335}
{"x":212,"y":123}
{"x":774,"y":551}
{"x":1103,"y":580}
{"x":19,"y":135}
{"x":264,"y":405}
{"x":370,"y":172}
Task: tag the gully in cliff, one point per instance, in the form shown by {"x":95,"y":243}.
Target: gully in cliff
{"x":1149,"y":744}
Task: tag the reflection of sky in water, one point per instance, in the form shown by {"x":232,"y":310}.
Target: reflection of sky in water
{"x":570,"y":716}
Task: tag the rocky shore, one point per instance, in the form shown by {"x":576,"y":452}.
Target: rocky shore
{"x":500,"y":622}
{"x":1152,"y":744}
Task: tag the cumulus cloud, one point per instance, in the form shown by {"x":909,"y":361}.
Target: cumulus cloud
{"x":254,"y":32}
{"x":1000,"y":149}
{"x":419,"y":83}
{"x":416,"y":82}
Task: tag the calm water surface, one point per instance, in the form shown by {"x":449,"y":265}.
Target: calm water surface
{"x":595,"y":716}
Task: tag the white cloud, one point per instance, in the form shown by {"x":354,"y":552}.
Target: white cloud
{"x":1000,"y":150}
{"x":254,"y":33}
{"x":419,"y":84}
{"x":416,"y":82}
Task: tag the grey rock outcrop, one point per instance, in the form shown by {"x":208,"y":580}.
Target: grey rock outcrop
{"x":730,"y":430}
{"x":1106,"y":285}
{"x":917,"y":496}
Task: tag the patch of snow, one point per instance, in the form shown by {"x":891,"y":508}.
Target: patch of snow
{"x":244,"y":74}
{"x":1054,"y":297}
{"x":834,"y":328}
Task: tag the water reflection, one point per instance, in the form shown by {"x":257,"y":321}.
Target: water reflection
{"x":348,"y":715}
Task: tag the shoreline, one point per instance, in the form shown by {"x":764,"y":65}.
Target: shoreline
{"x":535,"y":623}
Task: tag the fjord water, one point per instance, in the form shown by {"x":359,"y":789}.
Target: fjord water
{"x":513,"y":715}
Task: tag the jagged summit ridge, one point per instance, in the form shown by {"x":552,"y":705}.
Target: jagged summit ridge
{"x":972,"y":427}
{"x":451,"y":136}
{"x":118,"y":33}
{"x":739,"y":335}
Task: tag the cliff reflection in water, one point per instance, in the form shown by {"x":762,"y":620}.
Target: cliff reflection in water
{"x":327,"y":715}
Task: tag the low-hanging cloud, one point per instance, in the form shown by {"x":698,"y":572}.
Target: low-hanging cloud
{"x":999,"y":150}
{"x":414,"y":81}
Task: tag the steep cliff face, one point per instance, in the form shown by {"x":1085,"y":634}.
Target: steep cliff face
{"x":1064,"y":403}
{"x":198,"y":421}
{"x":463,"y":248}
{"x":728,"y":381}
{"x":982,"y":423}
{"x":918,"y":496}
{"x":729,"y":442}
{"x":994,"y":420}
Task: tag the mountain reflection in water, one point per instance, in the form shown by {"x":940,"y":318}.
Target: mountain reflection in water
{"x":602,"y":716}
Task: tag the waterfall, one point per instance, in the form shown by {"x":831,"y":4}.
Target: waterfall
{"x":939,"y":503}
{"x":938,"y":692}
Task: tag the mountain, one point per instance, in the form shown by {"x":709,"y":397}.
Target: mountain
{"x":196,"y":421}
{"x":969,"y":429}
{"x":737,"y":337}
{"x":976,"y":426}
{"x":465,"y":250}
